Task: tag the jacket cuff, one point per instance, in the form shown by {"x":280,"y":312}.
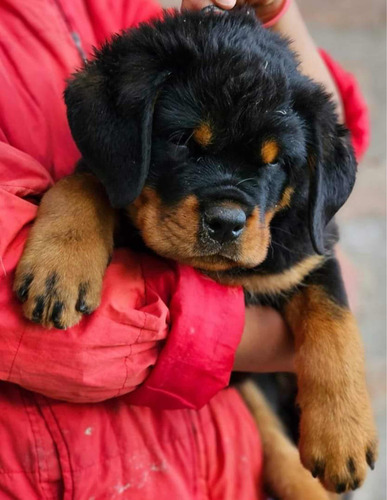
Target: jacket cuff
{"x":355,"y":107}
{"x":206,"y":325}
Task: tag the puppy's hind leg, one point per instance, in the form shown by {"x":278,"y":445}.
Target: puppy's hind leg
{"x":284,"y":476}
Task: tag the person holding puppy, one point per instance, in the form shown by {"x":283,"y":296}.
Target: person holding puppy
{"x":87,"y":413}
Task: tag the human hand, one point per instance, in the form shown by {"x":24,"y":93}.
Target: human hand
{"x":200,"y":4}
{"x":266,"y":345}
{"x":265,"y":9}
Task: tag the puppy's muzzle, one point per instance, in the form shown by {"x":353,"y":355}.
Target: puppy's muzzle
{"x":223,"y":224}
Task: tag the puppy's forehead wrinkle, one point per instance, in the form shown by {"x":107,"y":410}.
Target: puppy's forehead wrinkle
{"x":177,"y":43}
{"x":241,"y":91}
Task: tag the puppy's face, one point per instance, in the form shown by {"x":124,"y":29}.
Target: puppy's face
{"x":201,"y":126}
{"x":219,"y":174}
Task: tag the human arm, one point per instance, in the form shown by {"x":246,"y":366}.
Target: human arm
{"x":114,"y":350}
{"x":85,"y":353}
{"x":146,"y":319}
{"x":267,"y":345}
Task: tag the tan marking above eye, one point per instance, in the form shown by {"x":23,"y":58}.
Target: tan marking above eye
{"x":286,"y":197}
{"x":269,"y":151}
{"x":203,"y":134}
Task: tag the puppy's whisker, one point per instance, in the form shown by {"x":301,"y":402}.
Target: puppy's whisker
{"x":244,"y":180}
{"x":281,"y":229}
{"x":271,"y":249}
{"x":284,"y":247}
{"x":179,"y":136}
{"x":189,"y":137}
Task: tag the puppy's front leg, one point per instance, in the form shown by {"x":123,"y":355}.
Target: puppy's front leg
{"x":59,"y":276}
{"x":337,"y":433}
{"x":284,"y":476}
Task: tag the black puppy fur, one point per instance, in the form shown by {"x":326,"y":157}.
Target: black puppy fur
{"x":133,"y":111}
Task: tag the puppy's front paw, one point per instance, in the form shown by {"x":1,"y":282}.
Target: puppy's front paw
{"x":337,"y":442}
{"x":59,"y":278}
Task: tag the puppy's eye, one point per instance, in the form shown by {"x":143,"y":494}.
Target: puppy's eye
{"x":180,"y":151}
{"x":181,"y":148}
{"x":179,"y":145}
{"x":273,"y":164}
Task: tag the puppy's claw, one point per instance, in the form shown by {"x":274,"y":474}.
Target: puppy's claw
{"x":370,"y":457}
{"x":57,"y":314}
{"x":341,"y":487}
{"x":351,"y":466}
{"x":37,"y":313}
{"x":318,"y":469}
{"x":22,"y":292}
{"x":81,"y":305}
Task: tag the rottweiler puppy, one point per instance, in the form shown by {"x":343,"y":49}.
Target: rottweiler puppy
{"x":225,"y":157}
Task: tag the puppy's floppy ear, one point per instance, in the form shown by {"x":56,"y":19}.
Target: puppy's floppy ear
{"x":110,"y":109}
{"x":331,"y":159}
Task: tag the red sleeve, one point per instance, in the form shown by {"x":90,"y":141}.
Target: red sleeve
{"x":109,"y":17}
{"x":153,"y":315}
{"x":205,"y":332}
{"x":134,"y":12}
{"x":355,"y":107}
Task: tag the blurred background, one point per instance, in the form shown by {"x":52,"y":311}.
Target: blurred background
{"x":354,"y":33}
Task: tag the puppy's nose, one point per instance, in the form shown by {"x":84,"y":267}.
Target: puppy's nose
{"x":224,"y":224}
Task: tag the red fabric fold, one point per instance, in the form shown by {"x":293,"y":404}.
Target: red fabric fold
{"x":355,"y":107}
{"x":196,"y":361}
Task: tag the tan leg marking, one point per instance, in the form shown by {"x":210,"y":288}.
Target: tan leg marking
{"x":337,"y":431}
{"x":59,"y":276}
{"x":283,"y":473}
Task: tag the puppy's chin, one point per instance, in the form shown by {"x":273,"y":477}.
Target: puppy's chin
{"x":216,"y":263}
{"x":210,"y":263}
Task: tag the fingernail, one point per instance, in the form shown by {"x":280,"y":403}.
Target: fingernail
{"x":226,"y":3}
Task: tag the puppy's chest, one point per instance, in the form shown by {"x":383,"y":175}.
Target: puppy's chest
{"x":275,"y":301}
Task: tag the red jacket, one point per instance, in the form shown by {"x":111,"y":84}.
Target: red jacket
{"x":143,"y":299}
{"x":164,"y":335}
